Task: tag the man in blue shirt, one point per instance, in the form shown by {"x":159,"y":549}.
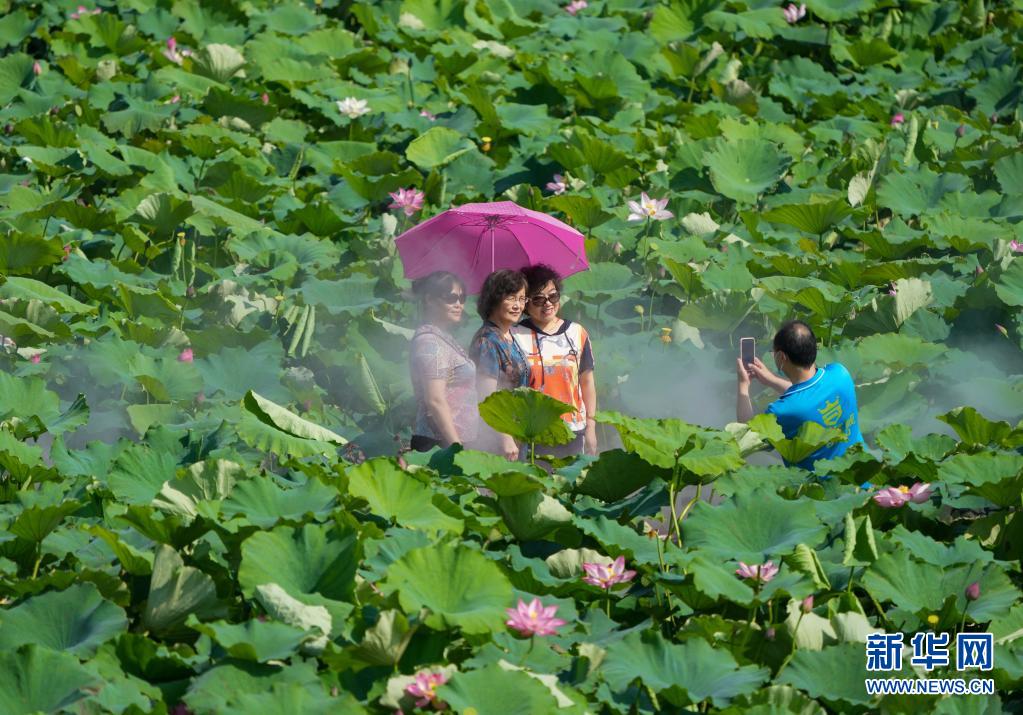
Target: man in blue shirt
{"x":825,"y":395}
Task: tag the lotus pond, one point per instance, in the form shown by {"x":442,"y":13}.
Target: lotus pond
{"x":204,"y":344}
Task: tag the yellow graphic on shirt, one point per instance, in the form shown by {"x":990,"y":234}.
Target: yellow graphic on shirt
{"x":831,"y":413}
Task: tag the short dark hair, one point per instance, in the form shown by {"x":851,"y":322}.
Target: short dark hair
{"x":796,"y":339}
{"x":497,"y":285}
{"x":438,"y":283}
{"x":540,"y":275}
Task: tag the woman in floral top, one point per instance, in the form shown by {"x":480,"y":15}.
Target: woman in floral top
{"x":500,"y":363}
{"x":443,"y":375}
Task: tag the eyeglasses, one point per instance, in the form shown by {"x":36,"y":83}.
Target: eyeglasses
{"x":541,"y":299}
{"x":515,"y":299}
{"x":452,"y":298}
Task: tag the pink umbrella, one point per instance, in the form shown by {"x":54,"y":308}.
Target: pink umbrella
{"x":473,"y":240}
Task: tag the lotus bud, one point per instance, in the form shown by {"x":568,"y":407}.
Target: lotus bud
{"x":807,"y":604}
{"x":1001,"y":329}
{"x":639,"y":310}
{"x":973,"y":591}
{"x":616,"y":249}
{"x":35,"y":359}
{"x":979,"y":270}
{"x":402,"y":463}
{"x":961,"y":131}
{"x":770,"y":633}
{"x":186,"y":355}
{"x":37,"y":69}
{"x":265,"y":98}
{"x":994,"y":118}
{"x":190,"y":291}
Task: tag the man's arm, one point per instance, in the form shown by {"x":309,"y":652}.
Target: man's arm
{"x":766,"y":377}
{"x":743,"y":404}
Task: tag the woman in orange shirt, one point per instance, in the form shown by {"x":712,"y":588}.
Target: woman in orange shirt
{"x":560,"y":358}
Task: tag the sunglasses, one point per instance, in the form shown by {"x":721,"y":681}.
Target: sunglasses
{"x":452,"y":298}
{"x":540,"y":300}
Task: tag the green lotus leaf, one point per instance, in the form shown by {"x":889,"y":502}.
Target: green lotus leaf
{"x":38,"y":679}
{"x":494,"y":690}
{"x":771,"y":527}
{"x":620,"y":540}
{"x":35,"y":522}
{"x":77,"y":620}
{"x":616,"y":474}
{"x":21,"y":253}
{"x":997,"y":476}
{"x":805,"y":560}
{"x":276,"y":416}
{"x":582,"y":211}
{"x":919,"y":191}
{"x":1009,"y":285}
{"x":352,"y":295}
{"x":533,"y":515}
{"x":289,"y":698}
{"x":139,"y":473}
{"x":838,"y":10}
{"x":177,"y":591}
{"x":745,"y":169}
{"x":472,"y":594}
{"x":15,"y":73}
{"x":923,"y":547}
{"x":132,"y":560}
{"x":810,"y":437}
{"x":1009,"y":170}
{"x":918,"y":587}
{"x":218,"y":62}
{"x":395,"y":494}
{"x":975,"y":429}
{"x":898,"y":442}
{"x":252,"y":640}
{"x":834,"y":674}
{"x":528,"y":415}
{"x":602,"y":281}
{"x":871,"y":52}
{"x":27,"y":397}
{"x":438,"y":146}
{"x":226,"y":684}
{"x":233,"y":371}
{"x":672,"y":22}
{"x":387,"y":640}
{"x":761,"y":22}
{"x":860,"y":545}
{"x":268,"y":438}
{"x":688,"y":673}
{"x":528,"y":119}
{"x":313,"y":563}
{"x":999,"y":92}
{"x":162,"y":213}
{"x":262,"y":501}
{"x":898,"y":351}
{"x":815,"y":218}
{"x":658,"y":442}
{"x":316,"y":622}
{"x":17,"y":289}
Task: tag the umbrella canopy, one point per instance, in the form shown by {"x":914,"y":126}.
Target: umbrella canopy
{"x":473,"y":240}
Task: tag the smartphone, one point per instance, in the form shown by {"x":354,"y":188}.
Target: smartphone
{"x":747,"y":350}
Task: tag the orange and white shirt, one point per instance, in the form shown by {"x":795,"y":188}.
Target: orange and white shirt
{"x":555,"y":362}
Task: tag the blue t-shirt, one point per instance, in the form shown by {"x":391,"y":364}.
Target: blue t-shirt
{"x":829,"y":399}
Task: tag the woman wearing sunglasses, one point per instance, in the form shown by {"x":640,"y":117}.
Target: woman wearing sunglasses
{"x":500,"y":363}
{"x":443,"y":375}
{"x":560,"y":358}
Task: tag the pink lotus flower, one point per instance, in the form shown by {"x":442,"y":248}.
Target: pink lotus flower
{"x":175,"y":99}
{"x":534,"y":619}
{"x":762,"y":572}
{"x":1001,"y":329}
{"x":1016,"y":246}
{"x":186,"y":355}
{"x":979,"y":270}
{"x":35,"y":359}
{"x":895,"y":497}
{"x":67,"y":252}
{"x":425,"y":687}
{"x":794,"y":14}
{"x":410,"y":199}
{"x":429,"y":115}
{"x":83,"y":11}
{"x":973,"y":591}
{"x":647,"y":208}
{"x":604,"y":576}
{"x":172,"y":53}
{"x":573,"y":7}
{"x":807,"y":604}
{"x":264,"y":98}
{"x":558,"y":186}
{"x":897,"y":119}
{"x":891,"y":289}
{"x":37,"y":69}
